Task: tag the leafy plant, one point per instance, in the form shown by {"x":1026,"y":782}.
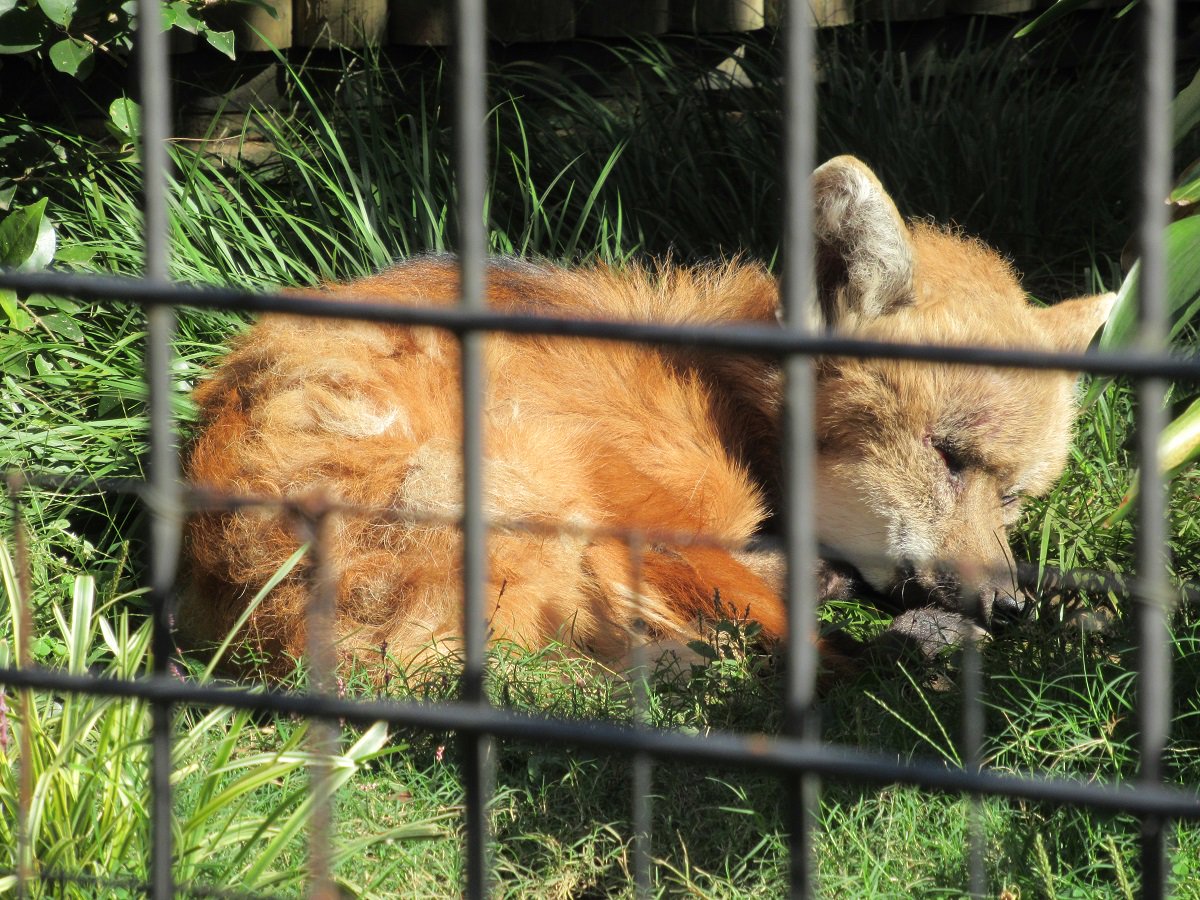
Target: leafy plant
{"x":1179,"y":445}
{"x":241,"y":794}
{"x":27,"y":243}
{"x":70,"y":34}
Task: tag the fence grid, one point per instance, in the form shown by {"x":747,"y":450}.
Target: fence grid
{"x":798,"y":755}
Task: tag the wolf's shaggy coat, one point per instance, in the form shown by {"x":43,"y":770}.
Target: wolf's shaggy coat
{"x":917,"y":463}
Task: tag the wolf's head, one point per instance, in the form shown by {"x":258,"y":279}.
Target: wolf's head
{"x":923,"y":468}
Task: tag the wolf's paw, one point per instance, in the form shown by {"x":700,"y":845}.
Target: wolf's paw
{"x":925,"y":635}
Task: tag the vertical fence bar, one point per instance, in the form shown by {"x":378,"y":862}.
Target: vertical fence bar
{"x":471,"y":169}
{"x":972,"y":747}
{"x":163,"y":463}
{"x":23,"y":633}
{"x":799,"y":449}
{"x":641,"y":766}
{"x":1154,"y":665}
{"x":322,"y":665}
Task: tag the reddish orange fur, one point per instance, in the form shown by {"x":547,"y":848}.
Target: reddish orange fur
{"x":590,"y":434}
{"x":600,"y":436}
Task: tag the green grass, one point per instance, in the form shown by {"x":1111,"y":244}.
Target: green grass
{"x":363,"y":175}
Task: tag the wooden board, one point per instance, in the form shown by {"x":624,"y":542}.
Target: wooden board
{"x":421,"y":22}
{"x":349,"y":23}
{"x":322,"y":23}
{"x":716,"y":16}
{"x":614,"y":18}
{"x":256,"y":28}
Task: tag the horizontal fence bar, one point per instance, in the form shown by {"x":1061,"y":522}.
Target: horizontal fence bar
{"x":759,"y":751}
{"x":1045,"y":579}
{"x":735,"y":338}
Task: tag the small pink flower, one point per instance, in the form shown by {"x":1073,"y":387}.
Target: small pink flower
{"x":441,"y":751}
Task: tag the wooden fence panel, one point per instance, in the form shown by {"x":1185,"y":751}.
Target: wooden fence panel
{"x":327,"y":23}
{"x":614,"y":18}
{"x":322,"y":23}
{"x":716,"y":16}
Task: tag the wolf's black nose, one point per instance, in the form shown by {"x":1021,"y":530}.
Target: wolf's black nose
{"x":1008,"y":608}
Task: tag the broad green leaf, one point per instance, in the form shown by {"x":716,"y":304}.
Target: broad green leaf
{"x":27,"y":238}
{"x":1185,"y":110}
{"x":18,"y":318}
{"x":7,"y":6}
{"x":72,"y":57}
{"x":126,"y":117}
{"x":43,"y":250}
{"x":63,"y":326}
{"x":54,"y":304}
{"x":221,"y":40}
{"x":1180,"y":442}
{"x":1178,"y":447}
{"x":83,"y":599}
{"x":1187,"y":191}
{"x":59,"y":319}
{"x":1182,"y":239}
{"x":75,"y":254}
{"x":60,"y":12}
{"x":22,"y":30}
{"x":182,"y":17}
{"x":1183,"y":286}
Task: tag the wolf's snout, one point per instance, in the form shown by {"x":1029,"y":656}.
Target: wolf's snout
{"x":993,"y":603}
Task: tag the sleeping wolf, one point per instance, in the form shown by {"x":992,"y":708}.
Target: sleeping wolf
{"x":919,"y":466}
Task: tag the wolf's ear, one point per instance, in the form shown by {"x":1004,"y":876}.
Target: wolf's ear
{"x":1072,"y":324}
{"x":864,"y":255}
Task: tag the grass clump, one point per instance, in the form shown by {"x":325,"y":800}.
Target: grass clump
{"x":240,"y":788}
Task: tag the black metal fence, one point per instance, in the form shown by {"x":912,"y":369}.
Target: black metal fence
{"x":798,"y":755}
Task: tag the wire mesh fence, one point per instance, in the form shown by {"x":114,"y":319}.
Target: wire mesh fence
{"x":798,"y":756}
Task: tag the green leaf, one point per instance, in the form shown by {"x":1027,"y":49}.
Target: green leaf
{"x":60,"y":12}
{"x":60,"y":320}
{"x":1057,"y":11}
{"x":182,"y":17}
{"x":1185,"y":110}
{"x":27,"y":238}
{"x":63,"y":326}
{"x":1187,"y":191}
{"x":1178,"y":447}
{"x":75,"y":254}
{"x":282,"y":573}
{"x":126,"y":117}
{"x":18,"y":318}
{"x":22,"y":30}
{"x":72,"y":57}
{"x":7,"y":6}
{"x":1180,"y":444}
{"x":1182,"y":239}
{"x":221,"y":40}
{"x":79,"y":639}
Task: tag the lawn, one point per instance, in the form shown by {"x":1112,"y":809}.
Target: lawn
{"x":631,"y":153}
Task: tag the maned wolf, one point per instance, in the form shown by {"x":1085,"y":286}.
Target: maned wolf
{"x":919,"y":465}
